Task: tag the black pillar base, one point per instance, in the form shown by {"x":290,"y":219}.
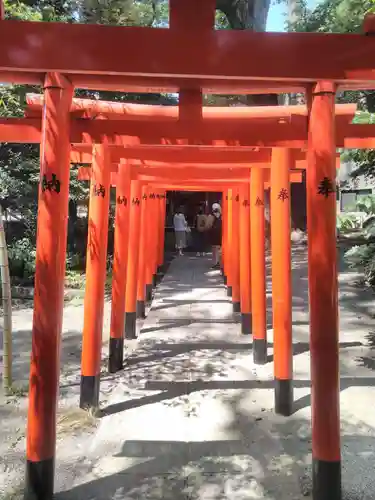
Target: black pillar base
{"x":130,"y":325}
{"x":154,"y":280}
{"x":225,"y":279}
{"x":246,"y":323}
{"x":149,"y":293}
{"x":236,"y":307}
{"x":89,"y":397}
{"x":260,"y":351}
{"x":283,"y":397}
{"x":326,"y":480}
{"x":39,"y":480}
{"x":229,"y":291}
{"x":116,"y":355}
{"x":141,"y":309}
{"x":161,"y":269}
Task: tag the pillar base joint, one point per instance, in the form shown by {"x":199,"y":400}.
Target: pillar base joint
{"x":141,"y":309}
{"x":283,"y":397}
{"x":39,"y":480}
{"x":149,"y":293}
{"x":116,"y":355}
{"x":236,"y":307}
{"x":260,"y":351}
{"x":246,"y":324}
{"x":89,"y":397}
{"x":229,"y":291}
{"x":326,"y":480}
{"x":130,"y":325}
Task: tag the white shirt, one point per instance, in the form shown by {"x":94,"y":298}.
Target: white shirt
{"x":179,"y":222}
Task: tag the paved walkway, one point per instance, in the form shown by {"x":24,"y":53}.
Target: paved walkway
{"x":191,"y":417}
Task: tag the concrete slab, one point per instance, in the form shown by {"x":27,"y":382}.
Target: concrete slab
{"x":191,"y":416}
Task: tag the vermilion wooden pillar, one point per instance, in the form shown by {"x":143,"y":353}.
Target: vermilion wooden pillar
{"x":49,"y":288}
{"x":133,"y":256}
{"x":324,"y":342}
{"x":282,"y":159}
{"x":120,"y":261}
{"x":143,"y":253}
{"x":235,"y":254}
{"x":150,"y":242}
{"x":96,"y":260}
{"x":229,"y":241}
{"x":245,"y":273}
{"x":154,"y":233}
{"x":162,"y":211}
{"x":224,"y":217}
{"x":258,"y":266}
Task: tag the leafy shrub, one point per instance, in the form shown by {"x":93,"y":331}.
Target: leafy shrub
{"x":362,"y":257}
{"x":21,"y":254}
{"x":346,"y":223}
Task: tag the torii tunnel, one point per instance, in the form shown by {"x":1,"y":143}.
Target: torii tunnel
{"x":150,"y":149}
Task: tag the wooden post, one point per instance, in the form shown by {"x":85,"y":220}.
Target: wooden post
{"x":245,"y":273}
{"x":162,"y":210}
{"x":258,"y":266}
{"x":150,"y":242}
{"x":229,"y":245}
{"x":235,"y":254}
{"x":120,"y":261}
{"x":49,"y":288}
{"x":154,"y":235}
{"x":282,"y":280}
{"x":96,"y":267}
{"x":224,"y":235}
{"x":133,"y":256}
{"x":143,"y":251}
{"x":322,"y":256}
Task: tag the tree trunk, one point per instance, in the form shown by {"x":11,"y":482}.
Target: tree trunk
{"x":249,"y":15}
{"x":7,"y":307}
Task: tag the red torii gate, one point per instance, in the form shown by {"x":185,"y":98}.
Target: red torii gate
{"x":209,"y":61}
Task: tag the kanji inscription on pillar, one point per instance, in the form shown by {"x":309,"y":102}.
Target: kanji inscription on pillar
{"x":326,"y":187}
{"x":135,"y":201}
{"x":99,"y":190}
{"x":51,"y":185}
{"x":246,"y":203}
{"x":283,"y":194}
{"x":121,"y":200}
{"x":237,"y":198}
{"x":144,"y":197}
{"x":259,"y":202}
{"x":152,"y":196}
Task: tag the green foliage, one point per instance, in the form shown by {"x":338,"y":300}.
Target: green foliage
{"x":21,"y":254}
{"x":332,"y":16}
{"x":346,"y":223}
{"x":125,"y":12}
{"x":21,"y":10}
{"x":362,"y":256}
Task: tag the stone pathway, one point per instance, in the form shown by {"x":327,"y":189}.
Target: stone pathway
{"x":191,"y":416}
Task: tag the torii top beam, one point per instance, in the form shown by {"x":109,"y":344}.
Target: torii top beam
{"x":220,"y":157}
{"x":84,"y":173}
{"x":88,"y":108}
{"x":209,"y":54}
{"x":124,"y":133}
